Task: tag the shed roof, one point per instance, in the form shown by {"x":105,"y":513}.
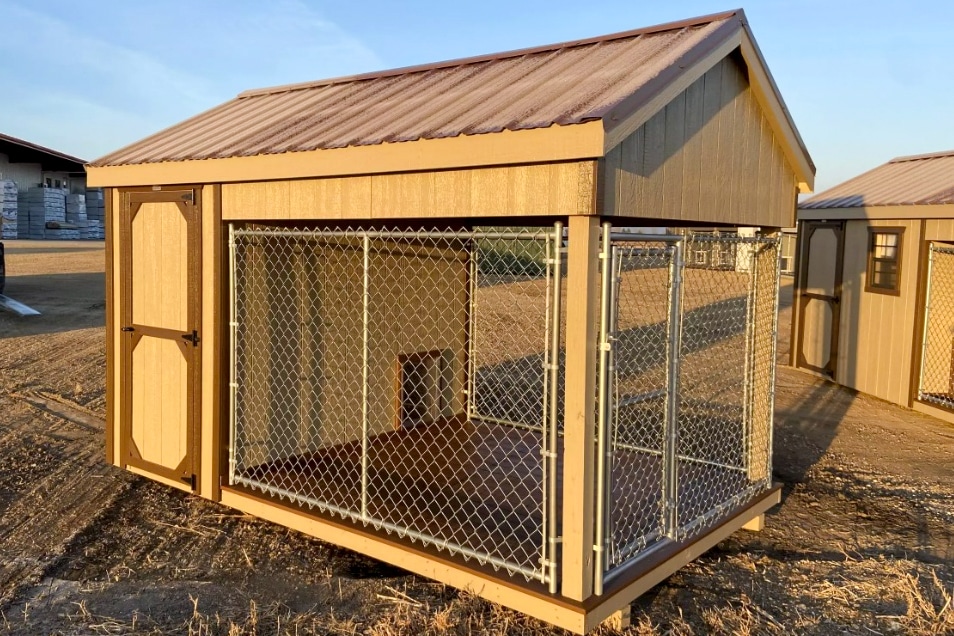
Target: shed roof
{"x":599,"y":82}
{"x":22,"y":151}
{"x":915,"y":180}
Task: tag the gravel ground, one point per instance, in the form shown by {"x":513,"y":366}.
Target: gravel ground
{"x":863,"y":542}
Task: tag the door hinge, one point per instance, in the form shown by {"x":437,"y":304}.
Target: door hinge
{"x":192,"y":337}
{"x":189,"y":479}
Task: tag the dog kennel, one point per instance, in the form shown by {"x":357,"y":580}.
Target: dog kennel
{"x":412,"y":313}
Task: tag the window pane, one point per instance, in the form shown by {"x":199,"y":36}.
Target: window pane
{"x":883,"y":253}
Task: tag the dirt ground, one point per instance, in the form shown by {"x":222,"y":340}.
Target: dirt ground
{"x":863,"y":542}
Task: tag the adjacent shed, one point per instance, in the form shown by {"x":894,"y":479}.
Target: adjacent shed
{"x":393,"y":310}
{"x":875,"y":283}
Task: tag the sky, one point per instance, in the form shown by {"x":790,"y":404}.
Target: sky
{"x":865,"y":81}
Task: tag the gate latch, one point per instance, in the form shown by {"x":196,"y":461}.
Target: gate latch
{"x":192,"y":337}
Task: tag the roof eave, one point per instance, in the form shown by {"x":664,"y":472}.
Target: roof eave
{"x":510,"y":147}
{"x":878,"y":212}
{"x":62,"y":156}
{"x":766,"y":91}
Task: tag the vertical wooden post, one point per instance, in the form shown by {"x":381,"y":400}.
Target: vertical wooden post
{"x":212,"y":414}
{"x":580,"y":407}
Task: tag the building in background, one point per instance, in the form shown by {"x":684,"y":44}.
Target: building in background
{"x":30,"y":165}
{"x":43,"y":194}
{"x":874,"y":291}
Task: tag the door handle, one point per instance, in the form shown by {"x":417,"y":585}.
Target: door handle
{"x":127,"y":329}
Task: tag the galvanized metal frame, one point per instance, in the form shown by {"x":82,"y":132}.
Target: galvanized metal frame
{"x":674,"y":529}
{"x":927,"y":321}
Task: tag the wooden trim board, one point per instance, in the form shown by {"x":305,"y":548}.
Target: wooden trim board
{"x":583,"y":287}
{"x":110,"y":332}
{"x":541,"y":145}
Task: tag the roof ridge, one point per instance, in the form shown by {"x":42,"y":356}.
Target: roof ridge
{"x":928,"y":155}
{"x":659,"y":28}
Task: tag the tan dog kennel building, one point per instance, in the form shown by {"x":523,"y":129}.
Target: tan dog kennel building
{"x":407,"y":312}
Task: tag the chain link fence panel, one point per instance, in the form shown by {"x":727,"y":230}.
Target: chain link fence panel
{"x":404,"y":380}
{"x":936,"y":384}
{"x":690,"y":367}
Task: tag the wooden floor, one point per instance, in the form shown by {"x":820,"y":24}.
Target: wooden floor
{"x":477,"y":485}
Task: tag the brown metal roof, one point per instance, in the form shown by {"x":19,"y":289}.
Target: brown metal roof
{"x":916,"y":180}
{"x":26,"y":151}
{"x":563,"y":84}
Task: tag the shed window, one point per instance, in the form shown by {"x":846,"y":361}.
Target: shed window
{"x":884,"y":260}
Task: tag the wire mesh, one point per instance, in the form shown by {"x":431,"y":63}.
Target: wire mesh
{"x":726,"y":377}
{"x":640,"y":328}
{"x":692,"y":376}
{"x":936,"y":385}
{"x":402,"y":379}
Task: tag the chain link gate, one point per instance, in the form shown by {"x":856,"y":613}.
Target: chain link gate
{"x":936,"y":378}
{"x":687,"y":375}
{"x":405,"y":380}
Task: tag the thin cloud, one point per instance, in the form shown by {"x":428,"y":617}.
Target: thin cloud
{"x":88,"y":80}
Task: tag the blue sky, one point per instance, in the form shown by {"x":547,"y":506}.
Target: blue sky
{"x":864,"y":80}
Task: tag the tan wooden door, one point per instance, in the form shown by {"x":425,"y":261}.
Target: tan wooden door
{"x":820,"y":296}
{"x":159,"y":304}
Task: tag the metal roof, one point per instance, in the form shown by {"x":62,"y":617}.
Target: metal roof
{"x":561,"y":84}
{"x":915,"y":180}
{"x":24,"y":151}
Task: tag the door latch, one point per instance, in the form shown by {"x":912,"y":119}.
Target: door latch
{"x":126,"y":329}
{"x":192,"y":337}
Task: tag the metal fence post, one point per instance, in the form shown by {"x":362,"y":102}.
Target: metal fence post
{"x":233,"y":374}
{"x":927,"y":320}
{"x":364,"y":379}
{"x":670,"y":476}
{"x":472,"y":327}
{"x":777,"y":271}
{"x":748,"y":376}
{"x":604,"y":406}
{"x":554,"y":382}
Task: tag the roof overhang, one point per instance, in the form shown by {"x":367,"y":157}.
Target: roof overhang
{"x":21,"y":151}
{"x":538,"y":145}
{"x":878,"y":212}
{"x":627,"y":116}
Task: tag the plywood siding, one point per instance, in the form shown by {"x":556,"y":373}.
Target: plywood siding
{"x":517,"y":191}
{"x":709,"y":157}
{"x":877,"y":330}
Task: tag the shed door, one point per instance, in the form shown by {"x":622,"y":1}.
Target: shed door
{"x":820,"y":297}
{"x":160,"y":340}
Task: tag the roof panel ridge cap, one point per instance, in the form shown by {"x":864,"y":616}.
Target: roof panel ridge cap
{"x":929,"y":155}
{"x":658,"y":28}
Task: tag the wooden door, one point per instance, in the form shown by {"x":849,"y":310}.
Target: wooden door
{"x":820,"y":296}
{"x":159,"y":305}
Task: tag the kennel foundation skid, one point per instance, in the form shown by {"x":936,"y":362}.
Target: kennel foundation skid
{"x":435,"y":315}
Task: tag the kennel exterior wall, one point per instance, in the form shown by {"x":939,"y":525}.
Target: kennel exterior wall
{"x":880,"y":336}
